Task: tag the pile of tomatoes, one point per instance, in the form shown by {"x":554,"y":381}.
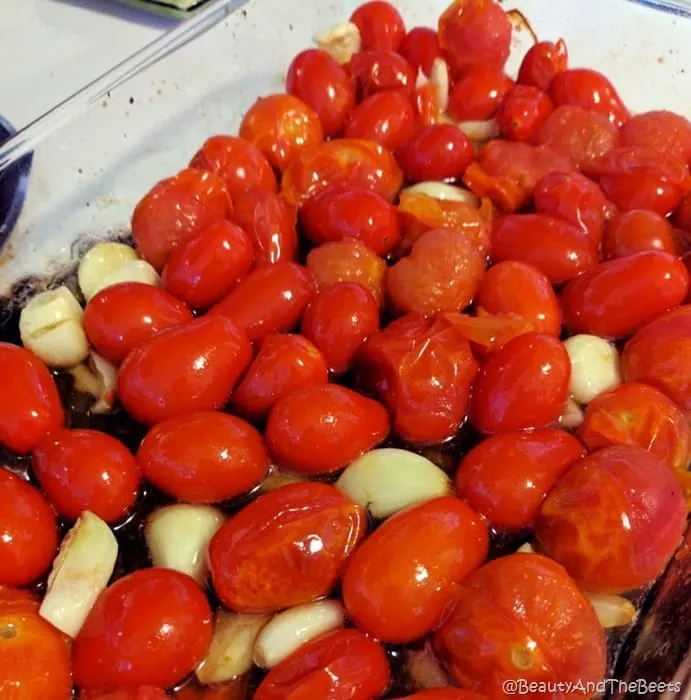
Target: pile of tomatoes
{"x":394,"y":252}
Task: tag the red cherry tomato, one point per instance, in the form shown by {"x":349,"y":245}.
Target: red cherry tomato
{"x":666,"y":133}
{"x":682,"y":216}
{"x":524,"y":110}
{"x":513,"y":287}
{"x":269,"y":300}
{"x":237,"y":162}
{"x":176,"y":209}
{"x":422,"y":554}
{"x":31,"y":404}
{"x":427,"y":106}
{"x":444,"y":694}
{"x":506,"y":477}
{"x":478,"y":92}
{"x":522,"y":385}
{"x":286,"y":548}
{"x":142,"y":692}
{"x":281,"y":127}
{"x":341,"y":664}
{"x":386,"y":118}
{"x":151,"y":627}
{"x":420,"y":48}
{"x":522,"y":618}
{"x":28,"y":532}
{"x":339,"y":320}
{"x":374,"y":71}
{"x":381,"y":25}
{"x":628,"y":511}
{"x":422,"y":370}
{"x":284,"y":363}
{"x":121,"y":317}
{"x":639,"y":230}
{"x":192,"y":367}
{"x":320,"y":429}
{"x":542,"y":62}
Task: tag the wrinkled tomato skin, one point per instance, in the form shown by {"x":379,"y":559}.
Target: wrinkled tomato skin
{"x":269,"y":300}
{"x":381,"y":25}
{"x":523,"y":111}
{"x":322,"y":428}
{"x":82,"y":470}
{"x":667,"y":133}
{"x":422,"y":554}
{"x":31,"y":406}
{"x":636,"y":231}
{"x":374,"y":71}
{"x":506,"y":477}
{"x":338,"y":320}
{"x":283,"y":364}
{"x":522,"y":618}
{"x":613,"y":520}
{"x":121,"y":317}
{"x":387,"y":118}
{"x":176,"y":209}
{"x":420,"y":48}
{"x":516,"y":288}
{"x":237,"y":162}
{"x":151,"y":627}
{"x":344,"y":211}
{"x":542,"y":62}
{"x":191,"y":367}
{"x":478,"y":92}
{"x":522,"y":385}
{"x":342,"y":664}
{"x":619,"y":296}
{"x":263,"y":559}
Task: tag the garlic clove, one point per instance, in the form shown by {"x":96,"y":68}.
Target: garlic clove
{"x":612,"y":610}
{"x":439,"y":78}
{"x":480,"y":131}
{"x":594,"y":367}
{"x":99,"y":262}
{"x":572,"y":416}
{"x":131,"y":271}
{"x":443,"y":191}
{"x":107,"y":374}
{"x":275,"y":479}
{"x":341,"y":42}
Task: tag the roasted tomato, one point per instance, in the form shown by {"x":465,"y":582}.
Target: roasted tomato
{"x":506,"y":477}
{"x":522,"y":618}
{"x":542,"y":62}
{"x":420,"y":48}
{"x":176,"y":209}
{"x":636,"y":231}
{"x":287,"y":547}
{"x":386,"y":118}
{"x":666,"y":133}
{"x":381,"y":25}
{"x":374,"y":71}
{"x":488,"y":332}
{"x":478,"y":92}
{"x":524,"y":110}
{"x":614,"y":519}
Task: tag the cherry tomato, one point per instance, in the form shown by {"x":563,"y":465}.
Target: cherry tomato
{"x":557,"y":248}
{"x":151,"y":627}
{"x":121,"y":317}
{"x":442,"y":273}
{"x":522,"y":385}
{"x":381,"y":25}
{"x":345,"y":211}
{"x":281,"y":127}
{"x":176,"y":209}
{"x":420,"y":48}
{"x":374,"y":71}
{"x":542,"y":62}
{"x":348,"y":260}
{"x":422,"y":370}
{"x":31,"y":403}
{"x":386,"y":118}
{"x":339,"y":320}
{"x":142,"y":692}
{"x":636,"y":231}
{"x":341,"y":664}
{"x":448,"y":693}
{"x":284,"y":363}
{"x":666,"y":133}
{"x":682,"y":216}
{"x":487,"y":332}
{"x":522,"y":618}
{"x":323,"y":84}
{"x":269,"y":300}
{"x":320,"y":429}
{"x":506,"y":477}
{"x":524,"y":110}
{"x":286,"y":548}
{"x":28,"y":532}
{"x":191,"y":367}
{"x":629,"y":515}
{"x":478,"y":92}
{"x":475,"y":31}
{"x":237,"y":162}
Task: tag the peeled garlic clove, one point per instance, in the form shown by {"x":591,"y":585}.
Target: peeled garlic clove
{"x":611,"y":610}
{"x":341,"y":42}
{"x":50,"y":325}
{"x":81,"y":571}
{"x":99,"y":262}
{"x":480,"y":131}
{"x":572,"y":416}
{"x":444,"y":192}
{"x":291,"y":629}
{"x":526,"y":548}
{"x":178,"y":537}
{"x":107,"y":375}
{"x":388,"y":480}
{"x":594,"y":367}
{"x":276,"y":479}
{"x":439,"y":78}
{"x":132,"y":271}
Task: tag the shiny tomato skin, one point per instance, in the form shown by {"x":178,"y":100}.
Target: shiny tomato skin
{"x":667,"y":133}
{"x":522,"y":618}
{"x":523,"y":111}
{"x":151,"y":627}
{"x":422,"y":554}
{"x":506,"y":477}
{"x":613,"y":520}
{"x":542,"y":62}
{"x":420,"y":48}
{"x":176,"y":209}
{"x":522,"y":385}
{"x":28,"y":532}
{"x":381,"y":25}
{"x":269,"y":300}
{"x":341,"y":664}
{"x":264,"y":558}
{"x":478,"y":92}
{"x":374,"y":71}
{"x":320,"y":429}
{"x":283,"y":364}
{"x":191,"y":367}
{"x":338,"y":320}
{"x":31,"y":406}
{"x":636,"y":231}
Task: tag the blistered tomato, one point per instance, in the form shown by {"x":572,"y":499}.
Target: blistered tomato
{"x":420,"y":48}
{"x":387,"y":118}
{"x":542,"y":62}
{"x":374,"y":71}
{"x":636,"y":231}
{"x":478,"y":92}
{"x":523,"y":111}
{"x":667,"y":133}
{"x":487,"y":332}
{"x":381,"y":25}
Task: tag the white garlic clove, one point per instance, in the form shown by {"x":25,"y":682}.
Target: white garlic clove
{"x":443,"y":191}
{"x":421,"y":79}
{"x":611,"y":610}
{"x":81,"y":571}
{"x":439,"y":78}
{"x":291,"y":629}
{"x":107,"y":374}
{"x":131,"y":271}
{"x":594,"y":367}
{"x":572,"y":416}
{"x":480,"y":131}
{"x":526,"y":548}
{"x":99,"y":262}
{"x":341,"y":42}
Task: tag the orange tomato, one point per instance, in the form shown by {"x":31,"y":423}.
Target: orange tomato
{"x":486,"y":332}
